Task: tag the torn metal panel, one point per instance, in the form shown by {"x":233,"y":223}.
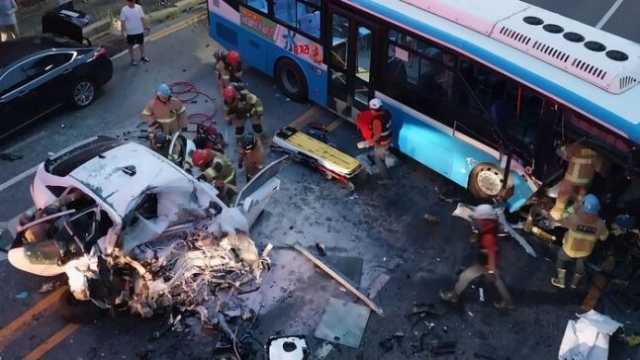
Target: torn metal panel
{"x":343,"y":323}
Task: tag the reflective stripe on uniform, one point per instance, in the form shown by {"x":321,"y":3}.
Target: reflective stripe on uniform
{"x":578,"y":244}
{"x":581,"y":167}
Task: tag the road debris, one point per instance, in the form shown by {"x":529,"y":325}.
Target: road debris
{"x":588,"y":338}
{"x":22,"y":295}
{"x":323,"y":351}
{"x":481,"y":291}
{"x":10,"y":156}
{"x":377,"y":284}
{"x":287,"y":348}
{"x":442,"y":347}
{"x":321,"y":249}
{"x":47,"y":287}
{"x":339,"y":279}
{"x":195,"y":273}
{"x":343,"y":322}
{"x":432,"y":219}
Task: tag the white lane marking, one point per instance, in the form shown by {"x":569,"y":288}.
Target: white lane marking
{"x":609,"y":14}
{"x":122,"y":53}
{"x":17,"y":178}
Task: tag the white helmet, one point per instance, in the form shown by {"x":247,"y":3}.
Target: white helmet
{"x":375,"y":103}
{"x":485,"y":211}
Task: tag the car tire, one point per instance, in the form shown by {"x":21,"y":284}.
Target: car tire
{"x":83,"y":93}
{"x":485,"y":182}
{"x":291,"y":80}
{"x":76,"y":311}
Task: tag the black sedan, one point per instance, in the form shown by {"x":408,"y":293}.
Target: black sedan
{"x":41,"y":73}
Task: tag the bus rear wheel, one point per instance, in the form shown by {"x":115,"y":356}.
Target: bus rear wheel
{"x":291,"y":80}
{"x":485,"y":182}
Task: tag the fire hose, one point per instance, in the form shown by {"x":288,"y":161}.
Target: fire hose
{"x":187,"y":93}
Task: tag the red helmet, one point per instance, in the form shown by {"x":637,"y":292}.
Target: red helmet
{"x":233,"y":58}
{"x":229,"y":94}
{"x":202,"y":157}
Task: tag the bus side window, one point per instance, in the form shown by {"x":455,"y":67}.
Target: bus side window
{"x":340,"y":31}
{"x":257,"y":4}
{"x":285,"y":10}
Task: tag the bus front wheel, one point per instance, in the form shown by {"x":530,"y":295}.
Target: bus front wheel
{"x":291,"y":80}
{"x":485,"y":182}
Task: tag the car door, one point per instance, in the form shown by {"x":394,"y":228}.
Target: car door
{"x":252,"y":199}
{"x":13,"y":101}
{"x":50,"y":77}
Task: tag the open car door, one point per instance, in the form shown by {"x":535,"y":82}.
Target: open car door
{"x":179,"y":148}
{"x":252,"y":199}
{"x":66,"y":234}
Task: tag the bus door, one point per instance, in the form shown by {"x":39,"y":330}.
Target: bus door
{"x":353,"y":41}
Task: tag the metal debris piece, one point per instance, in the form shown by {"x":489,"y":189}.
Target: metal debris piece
{"x":48,"y":286}
{"x":343,"y":322}
{"x":430,"y":218}
{"x":377,"y":285}
{"x":339,"y":279}
{"x":10,"y":157}
{"x":321,"y":249}
{"x":323,"y":351}
{"x":287,"y":348}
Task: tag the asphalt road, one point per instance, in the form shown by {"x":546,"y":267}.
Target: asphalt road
{"x":380,"y":228}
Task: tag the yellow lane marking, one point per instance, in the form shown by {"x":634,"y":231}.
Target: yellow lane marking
{"x":334,"y":124}
{"x":306,"y":116}
{"x":177,"y":26}
{"x":51,"y":342}
{"x":12,"y":330}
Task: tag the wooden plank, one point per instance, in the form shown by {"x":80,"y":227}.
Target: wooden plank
{"x":594,"y":292}
{"x":339,"y":279}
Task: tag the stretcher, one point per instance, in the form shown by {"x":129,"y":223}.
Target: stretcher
{"x":308,"y":150}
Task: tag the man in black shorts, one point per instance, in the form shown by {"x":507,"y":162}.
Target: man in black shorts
{"x":133,"y":26}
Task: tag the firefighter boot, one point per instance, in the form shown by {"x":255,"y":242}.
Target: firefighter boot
{"x":558,"y":210}
{"x":559,"y":281}
{"x":576,"y":280}
{"x":448,"y":296}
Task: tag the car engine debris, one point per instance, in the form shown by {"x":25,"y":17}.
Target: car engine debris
{"x":195,"y":273}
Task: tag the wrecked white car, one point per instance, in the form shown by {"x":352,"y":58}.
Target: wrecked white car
{"x":131,"y":229}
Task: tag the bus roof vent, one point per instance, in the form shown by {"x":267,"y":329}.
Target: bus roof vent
{"x":605,"y":60}
{"x":602,"y":59}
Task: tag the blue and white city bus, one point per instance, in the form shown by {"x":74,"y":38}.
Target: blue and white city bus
{"x":477,"y":89}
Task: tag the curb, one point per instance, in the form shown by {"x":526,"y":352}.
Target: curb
{"x":106,"y":25}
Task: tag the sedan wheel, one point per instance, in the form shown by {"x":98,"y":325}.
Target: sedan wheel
{"x":84,"y":92}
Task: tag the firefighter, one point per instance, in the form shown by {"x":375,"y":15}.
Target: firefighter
{"x":487,"y":222}
{"x":585,"y":229}
{"x":228,"y":67}
{"x":378,"y":120}
{"x":164,"y":114}
{"x":214,"y":166}
{"x":251,"y":155}
{"x":583,"y":163}
{"x":242,"y":106}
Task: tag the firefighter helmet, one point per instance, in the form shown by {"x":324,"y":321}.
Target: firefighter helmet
{"x":590,"y":204}
{"x":248,"y":141}
{"x":219,"y":55}
{"x":233,"y":58}
{"x":485,"y":211}
{"x":202,"y":157}
{"x":375,"y":104}
{"x":229,"y":94}
{"x":163,"y":90}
